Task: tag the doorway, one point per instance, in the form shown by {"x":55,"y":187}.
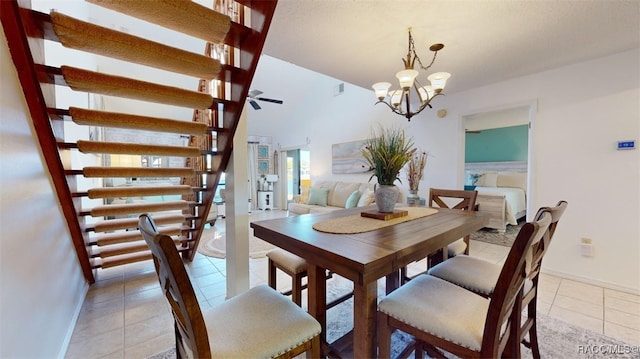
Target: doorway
{"x":298,"y":172}
{"x":505,"y":121}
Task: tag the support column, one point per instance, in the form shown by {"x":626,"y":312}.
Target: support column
{"x":237,"y":212}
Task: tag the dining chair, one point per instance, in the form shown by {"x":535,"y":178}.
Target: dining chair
{"x":296,"y":268}
{"x":443,"y":316}
{"x":259,"y":323}
{"x":291,"y":264}
{"x":447,"y":198}
{"x":480,"y":276}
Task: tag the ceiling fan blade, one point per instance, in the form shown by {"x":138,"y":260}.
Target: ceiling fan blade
{"x":254,"y":105}
{"x":254,"y":93}
{"x":269,"y":100}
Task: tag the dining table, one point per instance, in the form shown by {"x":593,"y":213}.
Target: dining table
{"x":363,"y":257}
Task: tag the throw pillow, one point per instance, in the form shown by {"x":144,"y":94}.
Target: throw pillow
{"x":318,"y":196}
{"x":490,"y":179}
{"x":352,"y":201}
{"x":366,"y":198}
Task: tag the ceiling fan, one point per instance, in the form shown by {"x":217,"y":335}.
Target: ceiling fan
{"x":254,"y":95}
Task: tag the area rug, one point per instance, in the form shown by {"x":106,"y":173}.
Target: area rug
{"x":557,"y":339}
{"x":213,"y":244}
{"x":489,"y":235}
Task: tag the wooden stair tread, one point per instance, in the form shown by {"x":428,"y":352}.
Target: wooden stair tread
{"x":54,"y":75}
{"x":137,"y":172}
{"x":136,"y":122}
{"x":136,"y":149}
{"x":129,"y":236}
{"x":84,"y":36}
{"x":129,"y":208}
{"x":235,"y":36}
{"x":123,"y":260}
{"x":130,"y":223}
{"x":126,"y":248}
{"x":119,"y":86}
{"x":139,"y":191}
{"x":183,"y":16}
{"x":128,"y":259}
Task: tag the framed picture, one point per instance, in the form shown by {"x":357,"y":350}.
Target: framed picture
{"x":347,"y":158}
{"x":263,"y":151}
{"x":263,"y":166}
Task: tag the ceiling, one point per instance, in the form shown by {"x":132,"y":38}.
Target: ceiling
{"x":364,"y":41}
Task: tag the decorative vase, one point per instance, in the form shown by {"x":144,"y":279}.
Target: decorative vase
{"x":386,"y":197}
{"x":412,"y":197}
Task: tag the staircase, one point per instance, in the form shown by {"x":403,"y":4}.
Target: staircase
{"x":105,"y":235}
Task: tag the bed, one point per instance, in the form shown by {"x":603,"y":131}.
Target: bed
{"x":502,"y":191}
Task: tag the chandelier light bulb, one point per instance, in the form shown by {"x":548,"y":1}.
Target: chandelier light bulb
{"x":426,"y":93}
{"x":396,"y":97}
{"x":406,"y":78}
{"x":381,"y":89}
{"x":439,"y":80}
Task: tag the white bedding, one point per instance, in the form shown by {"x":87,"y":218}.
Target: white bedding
{"x":515,"y":198}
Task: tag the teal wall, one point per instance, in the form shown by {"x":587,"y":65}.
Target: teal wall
{"x":498,"y":144}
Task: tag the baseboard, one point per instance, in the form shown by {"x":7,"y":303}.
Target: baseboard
{"x":608,"y":285}
{"x":76,"y":315}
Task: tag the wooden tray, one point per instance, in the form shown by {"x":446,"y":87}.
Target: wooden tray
{"x":397,"y":213}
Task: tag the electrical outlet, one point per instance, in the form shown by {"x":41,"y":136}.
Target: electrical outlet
{"x":586,"y":247}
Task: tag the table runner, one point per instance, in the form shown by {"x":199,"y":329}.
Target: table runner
{"x":358,"y":224}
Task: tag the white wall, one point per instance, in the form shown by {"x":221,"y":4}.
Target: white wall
{"x":578,"y":123}
{"x":580,"y":117}
{"x":42,"y":284}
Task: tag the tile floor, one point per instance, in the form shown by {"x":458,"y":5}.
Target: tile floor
{"x":125,"y":316}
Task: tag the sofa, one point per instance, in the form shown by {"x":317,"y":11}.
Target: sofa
{"x":326,"y":196}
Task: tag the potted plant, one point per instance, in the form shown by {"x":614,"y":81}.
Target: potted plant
{"x":415,"y":171}
{"x":386,"y":152}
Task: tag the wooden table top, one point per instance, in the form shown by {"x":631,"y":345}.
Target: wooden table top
{"x":365,"y":257}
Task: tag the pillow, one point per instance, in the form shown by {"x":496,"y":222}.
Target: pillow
{"x":304,"y":194}
{"x":512,"y":179}
{"x":352,"y":201}
{"x":318,"y":196}
{"x":489,"y":179}
{"x":366,"y":198}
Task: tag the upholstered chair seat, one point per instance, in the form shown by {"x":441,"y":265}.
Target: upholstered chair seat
{"x":292,"y":265}
{"x":443,"y":314}
{"x":258,"y":324}
{"x":456,"y":248}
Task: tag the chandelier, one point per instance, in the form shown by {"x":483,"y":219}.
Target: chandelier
{"x":399,"y":101}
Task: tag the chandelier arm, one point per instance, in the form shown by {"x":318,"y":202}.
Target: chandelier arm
{"x":394,"y":109}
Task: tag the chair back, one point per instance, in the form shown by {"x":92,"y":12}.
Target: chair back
{"x":499,"y":325}
{"x":467,"y":202}
{"x":538,"y":249}
{"x":467,"y":198}
{"x":190,"y":328}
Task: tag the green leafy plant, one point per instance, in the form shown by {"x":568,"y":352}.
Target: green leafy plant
{"x":386,"y":152}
